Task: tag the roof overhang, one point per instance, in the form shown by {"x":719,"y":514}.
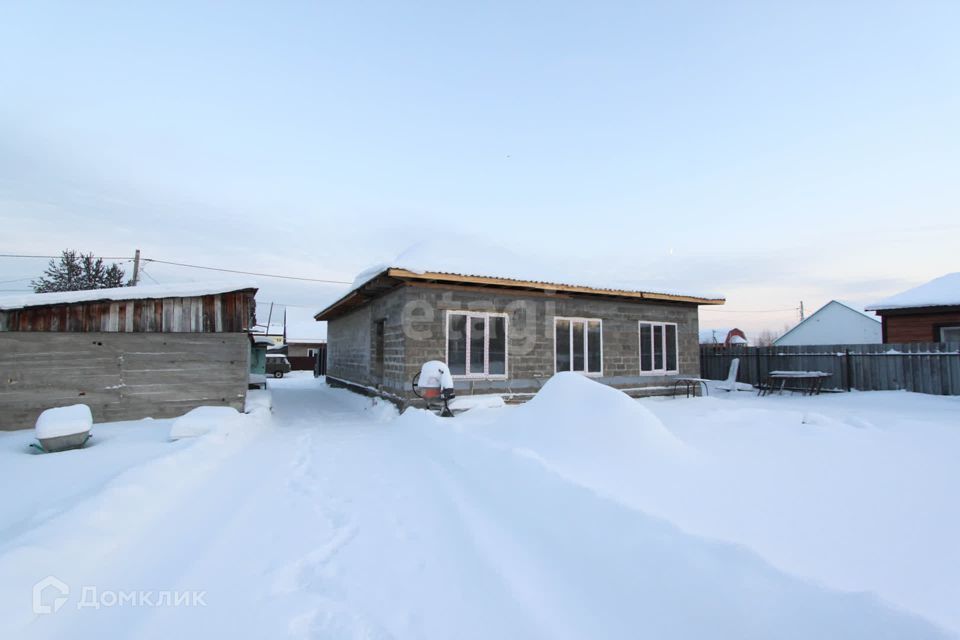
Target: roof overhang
{"x":120,"y":295}
{"x":924,"y":310}
{"x":392,"y":278}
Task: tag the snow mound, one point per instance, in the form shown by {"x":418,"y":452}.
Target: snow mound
{"x":381,"y":410}
{"x":64,"y":421}
{"x":588,"y":432}
{"x":575,"y":407}
{"x":203,"y":420}
{"x":479,"y":401}
{"x":258,"y":399}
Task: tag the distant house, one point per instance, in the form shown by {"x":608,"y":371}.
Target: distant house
{"x":928,"y":313}
{"x":834,"y":323}
{"x":128,"y":353}
{"x":506,"y":334}
{"x":723,"y":337}
{"x":306,"y":339}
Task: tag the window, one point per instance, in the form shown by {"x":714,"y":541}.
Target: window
{"x":477,"y":344}
{"x":658,"y":348}
{"x":578,"y":345}
{"x":950,"y":334}
{"x":312,"y":353}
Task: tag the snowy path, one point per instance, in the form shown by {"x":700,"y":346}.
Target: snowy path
{"x":340,"y":520}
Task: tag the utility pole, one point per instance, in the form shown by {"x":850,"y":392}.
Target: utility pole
{"x":801,"y":311}
{"x":136,"y":269}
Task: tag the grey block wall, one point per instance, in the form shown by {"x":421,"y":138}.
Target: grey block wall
{"x":351,"y":345}
{"x":416,"y":317}
{"x":121,"y":376}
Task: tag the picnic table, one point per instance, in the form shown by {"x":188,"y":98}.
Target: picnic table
{"x":809,"y":383}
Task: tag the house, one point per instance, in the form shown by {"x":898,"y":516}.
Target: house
{"x":723,"y":337}
{"x":506,"y":333}
{"x":834,"y":323}
{"x":928,"y":313}
{"x":127,"y":353}
{"x":306,"y":339}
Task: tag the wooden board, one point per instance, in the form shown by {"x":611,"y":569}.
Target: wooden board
{"x":120,"y":376}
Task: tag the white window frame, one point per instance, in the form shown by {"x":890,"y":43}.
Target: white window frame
{"x":676,"y":338}
{"x":313,"y":353}
{"x":486,"y":315}
{"x":586,"y":358}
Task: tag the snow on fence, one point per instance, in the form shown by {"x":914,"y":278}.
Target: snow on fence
{"x":924,"y":367}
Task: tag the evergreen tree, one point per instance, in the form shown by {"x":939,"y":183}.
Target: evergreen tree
{"x":77,"y":272}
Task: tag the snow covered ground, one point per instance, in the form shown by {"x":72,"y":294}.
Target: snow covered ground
{"x":580,"y":514}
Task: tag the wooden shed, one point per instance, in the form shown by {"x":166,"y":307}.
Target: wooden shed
{"x":928,"y":313}
{"x":128,"y":353}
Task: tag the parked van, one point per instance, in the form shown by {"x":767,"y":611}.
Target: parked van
{"x":277,"y":365}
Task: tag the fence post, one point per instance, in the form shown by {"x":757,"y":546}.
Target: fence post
{"x":849,"y":368}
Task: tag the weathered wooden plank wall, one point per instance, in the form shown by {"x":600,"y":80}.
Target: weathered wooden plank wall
{"x":121,"y":376}
{"x":910,"y":326}
{"x":225,"y":312}
{"x":924,"y":367}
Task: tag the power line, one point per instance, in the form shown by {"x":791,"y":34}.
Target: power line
{"x":20,"y":255}
{"x":192,"y":266}
{"x":750,"y":310}
{"x":143,"y":272}
{"x":247,"y":273}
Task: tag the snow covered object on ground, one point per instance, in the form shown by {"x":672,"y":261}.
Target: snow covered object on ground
{"x":64,"y":428}
{"x":203,"y":420}
{"x":564,"y":422}
{"x":258,"y":399}
{"x":477,"y":401}
{"x":64,"y":421}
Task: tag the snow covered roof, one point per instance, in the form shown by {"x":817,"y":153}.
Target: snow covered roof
{"x":472,"y":262}
{"x":139,"y":292}
{"x":302,"y":328}
{"x":941,"y":292}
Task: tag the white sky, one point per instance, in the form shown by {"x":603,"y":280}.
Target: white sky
{"x":774,"y":154}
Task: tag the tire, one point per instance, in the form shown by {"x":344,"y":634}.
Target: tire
{"x":278,"y":374}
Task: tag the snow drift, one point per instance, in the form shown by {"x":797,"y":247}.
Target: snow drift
{"x":588,"y":432}
{"x":203,"y":420}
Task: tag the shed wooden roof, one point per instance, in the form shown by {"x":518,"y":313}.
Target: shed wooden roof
{"x":225,"y":312}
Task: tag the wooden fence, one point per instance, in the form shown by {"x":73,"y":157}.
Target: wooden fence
{"x":924,"y":367}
